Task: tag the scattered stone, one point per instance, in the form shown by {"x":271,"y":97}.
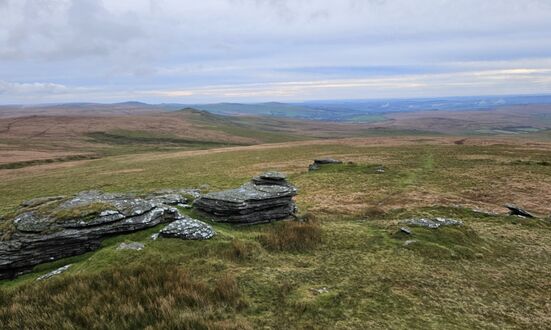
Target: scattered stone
{"x":515,"y":210}
{"x":75,"y":226}
{"x":54,"y":272}
{"x":266,"y":198}
{"x":184,"y":206}
{"x":322,"y":290}
{"x":409,"y":242}
{"x":380,"y":170}
{"x":188,"y":228}
{"x":433,"y":223}
{"x":154,"y":237}
{"x":319,"y":162}
{"x":41,"y":200}
{"x":405,"y":230}
{"x":131,"y":246}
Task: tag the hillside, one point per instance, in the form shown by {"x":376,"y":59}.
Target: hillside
{"x":355,"y":267}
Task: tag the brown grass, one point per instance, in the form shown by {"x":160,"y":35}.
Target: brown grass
{"x":292,"y":236}
{"x":150,"y":296}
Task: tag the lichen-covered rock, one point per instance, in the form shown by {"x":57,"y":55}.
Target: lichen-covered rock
{"x":187,"y":228}
{"x":433,"y":223}
{"x":267,"y":197}
{"x":76,"y":225}
{"x":54,"y":272}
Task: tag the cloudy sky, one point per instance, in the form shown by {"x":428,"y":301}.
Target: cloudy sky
{"x":270,"y":50}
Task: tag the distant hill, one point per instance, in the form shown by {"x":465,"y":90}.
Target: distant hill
{"x":369,"y":110}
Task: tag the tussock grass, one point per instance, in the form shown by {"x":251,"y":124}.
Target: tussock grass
{"x":242,"y":250}
{"x":292,"y":236}
{"x":154,"y":296}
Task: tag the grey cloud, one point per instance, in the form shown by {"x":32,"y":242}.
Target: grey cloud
{"x":124,"y":45}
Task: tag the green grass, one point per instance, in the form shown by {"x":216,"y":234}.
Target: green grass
{"x":490,"y":273}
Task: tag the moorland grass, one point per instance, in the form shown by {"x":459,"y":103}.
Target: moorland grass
{"x":348,"y":268}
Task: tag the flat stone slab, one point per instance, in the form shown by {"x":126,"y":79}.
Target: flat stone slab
{"x":316,"y":165}
{"x":515,"y":210}
{"x":323,"y":161}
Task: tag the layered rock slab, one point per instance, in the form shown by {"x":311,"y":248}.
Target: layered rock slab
{"x":56,"y":229}
{"x":266,"y":198}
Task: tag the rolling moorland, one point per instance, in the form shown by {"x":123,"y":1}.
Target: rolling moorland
{"x":345,"y":265}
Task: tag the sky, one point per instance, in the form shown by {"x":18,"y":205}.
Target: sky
{"x":189,"y":51}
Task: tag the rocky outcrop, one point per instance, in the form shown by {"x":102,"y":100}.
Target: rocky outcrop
{"x":50,"y":229}
{"x":316,"y":165}
{"x":266,"y":198}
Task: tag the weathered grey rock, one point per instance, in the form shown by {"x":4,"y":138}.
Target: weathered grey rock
{"x":266,"y":198}
{"x":136,"y":246}
{"x":271,"y":178}
{"x":54,"y":272}
{"x":187,"y":228}
{"x":405,"y":230}
{"x":324,"y":161}
{"x":515,"y":210}
{"x":75,"y":226}
{"x":433,"y":223}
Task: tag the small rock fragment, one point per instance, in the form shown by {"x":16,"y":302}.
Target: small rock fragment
{"x":131,"y":246}
{"x":322,"y":290}
{"x":54,"y":272}
{"x":409,"y":242}
{"x":405,"y":230}
{"x":433,"y":223}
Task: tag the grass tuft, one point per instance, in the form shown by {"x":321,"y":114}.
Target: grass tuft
{"x":292,"y":236}
{"x":148,"y":296}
